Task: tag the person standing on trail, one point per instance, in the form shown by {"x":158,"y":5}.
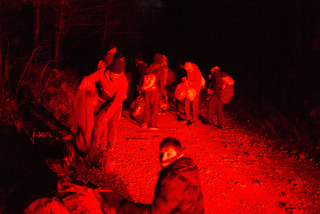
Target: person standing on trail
{"x":215,"y":104}
{"x":193,"y":81}
{"x":152,"y":89}
{"x":178,"y":188}
{"x":96,"y":109}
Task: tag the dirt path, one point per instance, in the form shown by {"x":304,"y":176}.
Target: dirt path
{"x":239,"y":174}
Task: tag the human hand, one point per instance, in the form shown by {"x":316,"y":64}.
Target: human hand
{"x":209,"y":91}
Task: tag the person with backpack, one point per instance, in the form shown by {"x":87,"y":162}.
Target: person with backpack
{"x":153,"y":89}
{"x":219,"y":83}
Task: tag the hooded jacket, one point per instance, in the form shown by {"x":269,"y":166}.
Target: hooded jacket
{"x":178,"y":190}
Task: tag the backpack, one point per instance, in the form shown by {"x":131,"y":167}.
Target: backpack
{"x":149,"y":82}
{"x":181,"y":91}
{"x":227,"y":90}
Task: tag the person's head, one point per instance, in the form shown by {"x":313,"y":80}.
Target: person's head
{"x":214,"y":68}
{"x":139,"y":57}
{"x":170,"y":150}
{"x":164,"y":60}
{"x":188,"y":67}
{"x":112,"y":49}
{"x":116,"y":68}
{"x":158,"y":59}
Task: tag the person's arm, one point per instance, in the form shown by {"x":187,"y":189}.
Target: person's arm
{"x":161,"y":81}
{"x":169,"y":197}
{"x":95,"y":76}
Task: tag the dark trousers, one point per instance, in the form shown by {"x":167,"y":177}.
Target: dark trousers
{"x":215,"y":107}
{"x":195,"y":105}
{"x":104,"y":134}
{"x":151,"y":111}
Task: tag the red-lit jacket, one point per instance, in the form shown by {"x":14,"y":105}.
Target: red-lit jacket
{"x":159,"y":71}
{"x":195,"y":78}
{"x":178,"y":190}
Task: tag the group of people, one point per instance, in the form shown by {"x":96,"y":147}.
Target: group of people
{"x":97,"y":108}
{"x":98,"y":103}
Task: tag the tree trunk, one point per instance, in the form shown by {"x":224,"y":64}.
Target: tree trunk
{"x":298,"y":39}
{"x":37,"y":25}
{"x":106,"y":26}
{"x":59,"y":25}
{"x":0,"y":48}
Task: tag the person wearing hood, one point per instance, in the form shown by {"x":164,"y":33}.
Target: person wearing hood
{"x":178,"y":188}
{"x":96,"y":109}
{"x":152,"y":89}
{"x":193,"y":81}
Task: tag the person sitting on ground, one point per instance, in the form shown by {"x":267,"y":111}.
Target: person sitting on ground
{"x":178,"y":188}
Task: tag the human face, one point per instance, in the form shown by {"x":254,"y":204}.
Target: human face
{"x":166,"y":154}
{"x":114,"y":76}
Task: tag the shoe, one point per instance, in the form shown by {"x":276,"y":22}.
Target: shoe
{"x":144,"y":126}
{"x":220,"y":127}
{"x":189,"y":123}
{"x":102,"y":146}
{"x":205,"y":122}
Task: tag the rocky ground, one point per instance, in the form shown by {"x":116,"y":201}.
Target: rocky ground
{"x":240,"y":172}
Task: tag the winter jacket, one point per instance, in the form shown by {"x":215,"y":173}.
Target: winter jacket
{"x":159,"y":71}
{"x":117,"y":90}
{"x":178,"y":190}
{"x":216,"y":81}
{"x":195,"y":78}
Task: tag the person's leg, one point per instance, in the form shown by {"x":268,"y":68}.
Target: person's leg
{"x":154,"y":109}
{"x":147,"y":110}
{"x":112,"y":128}
{"x":220,"y":114}
{"x":187,"y":108}
{"x":212,"y":109}
{"x":100,"y":133}
{"x":195,"y":106}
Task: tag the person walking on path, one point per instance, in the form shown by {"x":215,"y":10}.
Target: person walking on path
{"x":153,"y":89}
{"x":193,"y":81}
{"x":215,"y":103}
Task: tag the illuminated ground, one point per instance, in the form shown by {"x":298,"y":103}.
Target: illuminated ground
{"x":239,"y":173}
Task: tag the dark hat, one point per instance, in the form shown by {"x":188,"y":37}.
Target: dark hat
{"x":117,"y":65}
{"x":111,"y":46}
{"x":158,"y":58}
{"x":139,"y":57}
